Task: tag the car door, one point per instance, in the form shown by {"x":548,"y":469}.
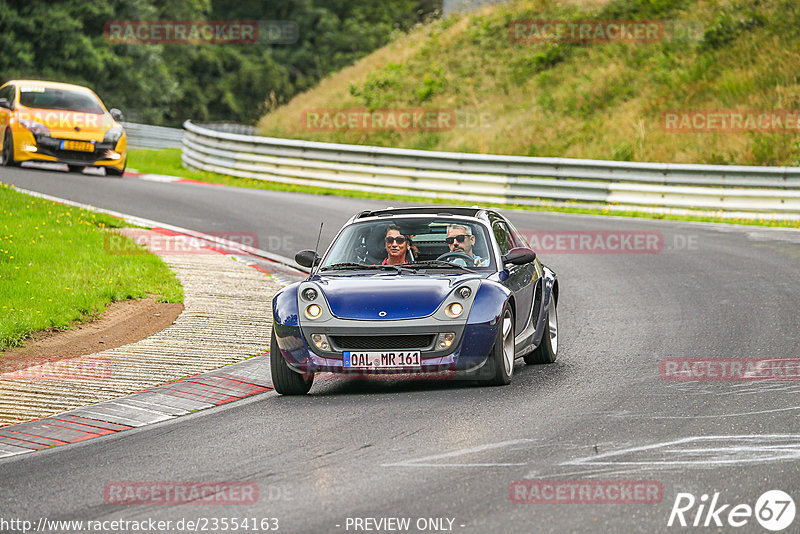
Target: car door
{"x":8,"y":93}
{"x":520,"y":279}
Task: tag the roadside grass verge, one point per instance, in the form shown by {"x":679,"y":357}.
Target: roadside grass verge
{"x":576,"y":100}
{"x":54,"y":268}
{"x":167,"y":161}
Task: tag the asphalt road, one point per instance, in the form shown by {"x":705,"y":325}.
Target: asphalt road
{"x":353,"y":450}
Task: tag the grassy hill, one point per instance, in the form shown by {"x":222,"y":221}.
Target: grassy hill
{"x":582,"y":100}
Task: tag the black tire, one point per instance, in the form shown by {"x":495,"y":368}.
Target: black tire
{"x":286,"y":381}
{"x":8,"y":151}
{"x":547,"y":351}
{"x":501,"y":360}
{"x":113,"y":171}
{"x":76,"y":168}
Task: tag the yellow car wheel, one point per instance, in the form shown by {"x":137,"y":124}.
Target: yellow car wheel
{"x":8,"y":151}
{"x":113,"y":171}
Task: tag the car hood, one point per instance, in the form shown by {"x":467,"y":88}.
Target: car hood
{"x":71,"y":124}
{"x":387,"y":296}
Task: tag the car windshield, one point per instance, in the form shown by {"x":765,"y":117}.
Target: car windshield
{"x":426,"y":240}
{"x":60,"y":99}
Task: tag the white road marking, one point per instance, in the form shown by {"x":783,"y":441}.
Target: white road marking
{"x":648,"y":416}
{"x":157,"y":178}
{"x":738,"y":449}
{"x":425,"y":461}
{"x":605,"y":472}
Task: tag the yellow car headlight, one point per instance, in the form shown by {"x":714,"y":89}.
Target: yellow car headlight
{"x":454,"y":310}
{"x":36,"y":127}
{"x":313,"y":311}
{"x":112,"y":135}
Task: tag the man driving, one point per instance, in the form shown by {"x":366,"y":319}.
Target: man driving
{"x":460,"y":239}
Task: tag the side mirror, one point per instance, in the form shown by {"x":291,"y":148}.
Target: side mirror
{"x":519,"y":256}
{"x":4,"y":103}
{"x":115,"y":114}
{"x":307,"y":258}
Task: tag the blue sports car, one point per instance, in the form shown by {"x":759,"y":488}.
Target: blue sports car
{"x":416,"y":290}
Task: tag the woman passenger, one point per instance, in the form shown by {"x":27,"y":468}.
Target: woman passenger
{"x":397,"y":246}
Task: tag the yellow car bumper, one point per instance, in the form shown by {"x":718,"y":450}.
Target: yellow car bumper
{"x":44,"y":148}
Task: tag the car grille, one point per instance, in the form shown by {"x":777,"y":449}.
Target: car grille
{"x":383,"y":342}
{"x":49,"y":146}
{"x":71,"y":155}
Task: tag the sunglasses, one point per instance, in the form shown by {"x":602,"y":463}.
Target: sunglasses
{"x":460,"y":238}
{"x":399,"y":240}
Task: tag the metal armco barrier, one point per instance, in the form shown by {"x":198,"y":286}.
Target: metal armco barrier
{"x":146,"y":136}
{"x":494,"y":178}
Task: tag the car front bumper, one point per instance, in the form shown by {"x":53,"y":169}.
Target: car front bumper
{"x":468,"y":353}
{"x":48,"y":149}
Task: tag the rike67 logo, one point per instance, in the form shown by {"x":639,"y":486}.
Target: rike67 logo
{"x":774,"y":510}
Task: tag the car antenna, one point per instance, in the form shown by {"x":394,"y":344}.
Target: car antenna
{"x":316,"y":247}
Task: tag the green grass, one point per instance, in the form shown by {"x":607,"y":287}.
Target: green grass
{"x":168,"y":162}
{"x":578,"y":100}
{"x":165,"y":161}
{"x":54,"y":268}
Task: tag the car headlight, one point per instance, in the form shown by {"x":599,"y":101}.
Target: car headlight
{"x":321,"y":341}
{"x":313,"y":311}
{"x":309,"y":294}
{"x":113,"y":135}
{"x":36,"y":127}
{"x":454,"y":310}
{"x":445,"y":339}
{"x":464,"y":292}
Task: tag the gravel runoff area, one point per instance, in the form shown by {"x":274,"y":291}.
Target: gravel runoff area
{"x":227,"y":318}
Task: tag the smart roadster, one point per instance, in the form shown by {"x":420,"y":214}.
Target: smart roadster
{"x":416,"y":290}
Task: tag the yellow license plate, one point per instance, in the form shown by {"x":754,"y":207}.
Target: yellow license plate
{"x":83,"y":146}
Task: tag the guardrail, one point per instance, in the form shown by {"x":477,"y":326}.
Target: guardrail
{"x":147,"y":136}
{"x":458,"y":6}
{"x":230,"y":127}
{"x":494,"y":178}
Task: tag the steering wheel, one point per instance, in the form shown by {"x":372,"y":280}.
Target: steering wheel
{"x":448,"y":256}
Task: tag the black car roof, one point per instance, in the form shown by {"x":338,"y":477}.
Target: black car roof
{"x":426,"y":210}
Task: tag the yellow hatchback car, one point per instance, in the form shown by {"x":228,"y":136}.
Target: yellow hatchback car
{"x":59,"y":122}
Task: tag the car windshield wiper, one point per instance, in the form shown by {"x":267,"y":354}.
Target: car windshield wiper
{"x":353,"y":266}
{"x":436,"y":264}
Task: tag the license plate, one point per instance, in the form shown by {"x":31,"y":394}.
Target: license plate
{"x":381,"y":360}
{"x":83,"y":146}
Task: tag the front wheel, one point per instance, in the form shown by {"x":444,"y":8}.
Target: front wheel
{"x":286,"y":381}
{"x":8,"y":151}
{"x":547,"y":351}
{"x":503,"y":351}
{"x":113,"y":171}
